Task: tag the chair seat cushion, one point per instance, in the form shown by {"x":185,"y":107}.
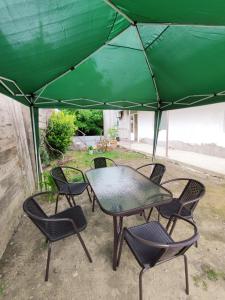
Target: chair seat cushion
{"x":59,"y":230}
{"x":76,"y":188}
{"x":166,"y":210}
{"x":152,"y":231}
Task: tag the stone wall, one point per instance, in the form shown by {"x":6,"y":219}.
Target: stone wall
{"x":16,"y":165}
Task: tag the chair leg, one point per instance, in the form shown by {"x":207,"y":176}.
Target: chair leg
{"x":56,"y":204}
{"x":149,"y":215}
{"x":158,"y":217}
{"x":140,"y":284}
{"x":74,"y":203}
{"x":186,"y":274}
{"x":173,"y":226}
{"x":48,"y":261}
{"x":68,"y":200}
{"x":89,"y":195}
{"x":84,"y":247}
{"x":196,"y":243}
{"x":120,"y":248}
{"x":93,"y":204}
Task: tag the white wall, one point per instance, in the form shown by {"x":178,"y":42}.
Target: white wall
{"x":197,"y":125}
{"x":124,"y":125}
{"x":145,"y":125}
{"x":109,"y":120}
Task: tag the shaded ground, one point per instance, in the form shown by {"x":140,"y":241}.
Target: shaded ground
{"x":73,"y":277}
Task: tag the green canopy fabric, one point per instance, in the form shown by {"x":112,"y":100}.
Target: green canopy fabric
{"x":139,"y":55}
{"x":120,"y":54}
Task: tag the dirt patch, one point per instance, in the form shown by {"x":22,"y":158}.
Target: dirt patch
{"x":22,"y":266}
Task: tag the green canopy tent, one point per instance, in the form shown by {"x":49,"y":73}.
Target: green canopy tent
{"x":137,"y":55}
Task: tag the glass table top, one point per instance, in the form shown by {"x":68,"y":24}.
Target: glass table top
{"x":122,"y":190}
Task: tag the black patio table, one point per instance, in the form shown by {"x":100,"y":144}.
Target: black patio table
{"x":122,"y":191}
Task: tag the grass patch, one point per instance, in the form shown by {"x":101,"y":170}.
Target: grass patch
{"x":207,"y":273}
{"x":1,"y":289}
{"x":82,"y":160}
{"x":210,"y":273}
{"x":200,"y":282}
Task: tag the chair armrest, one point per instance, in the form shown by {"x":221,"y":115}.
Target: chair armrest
{"x":146,"y":242}
{"x":176,"y":216}
{"x":112,"y":161}
{"x":75,"y":169}
{"x":145,"y":166}
{"x":175,"y":179}
{"x":183,"y":204}
{"x":55,"y":220}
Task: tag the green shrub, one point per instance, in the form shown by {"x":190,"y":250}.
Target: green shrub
{"x":88,"y":121}
{"x":47,"y":183}
{"x":45,"y":159}
{"x":60,"y":130}
{"x":113,"y":133}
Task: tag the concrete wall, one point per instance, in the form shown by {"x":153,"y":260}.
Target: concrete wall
{"x":16,"y":165}
{"x":44,"y":115}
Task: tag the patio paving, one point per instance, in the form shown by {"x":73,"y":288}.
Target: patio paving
{"x":207,"y":162}
{"x":73,"y":277}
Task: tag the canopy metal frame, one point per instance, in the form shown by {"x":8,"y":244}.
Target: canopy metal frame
{"x":37,"y":99}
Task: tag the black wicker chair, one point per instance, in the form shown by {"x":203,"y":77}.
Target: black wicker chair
{"x":155,"y":175}
{"x":151,"y":244}
{"x":58,"y":226}
{"x":157,"y":172}
{"x":100,"y":162}
{"x":69,"y":189}
{"x":186,"y":203}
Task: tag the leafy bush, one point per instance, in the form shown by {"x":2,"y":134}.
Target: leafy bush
{"x":47,"y":183}
{"x":45,"y":159}
{"x":60,"y":130}
{"x":113,"y":133}
{"x":89,"y":122}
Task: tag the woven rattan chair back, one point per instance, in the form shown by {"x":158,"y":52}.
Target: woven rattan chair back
{"x":59,"y":177}
{"x":157,"y":173}
{"x":102,"y":162}
{"x":193,"y":190}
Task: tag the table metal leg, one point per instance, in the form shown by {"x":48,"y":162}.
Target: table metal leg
{"x":117,"y":228}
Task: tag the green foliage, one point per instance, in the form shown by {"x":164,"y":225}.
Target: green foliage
{"x":1,"y":289}
{"x":60,"y":130}
{"x":113,"y":133}
{"x":45,"y":158}
{"x":89,"y":122}
{"x":47,"y":183}
{"x":207,"y":273}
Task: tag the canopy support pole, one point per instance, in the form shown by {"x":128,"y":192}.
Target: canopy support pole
{"x":149,"y":66}
{"x":34,"y":112}
{"x":119,"y":11}
{"x":157,"y":120}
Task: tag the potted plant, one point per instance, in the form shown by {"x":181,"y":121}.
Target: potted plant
{"x":90,"y":150}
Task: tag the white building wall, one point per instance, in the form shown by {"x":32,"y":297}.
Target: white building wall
{"x":145,"y":125}
{"x":109,"y":120}
{"x":197,"y":125}
{"x":124,"y":125}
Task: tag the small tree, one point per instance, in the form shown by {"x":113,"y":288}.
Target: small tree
{"x":113,"y":133}
{"x":87,"y":120}
{"x":60,"y":130}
